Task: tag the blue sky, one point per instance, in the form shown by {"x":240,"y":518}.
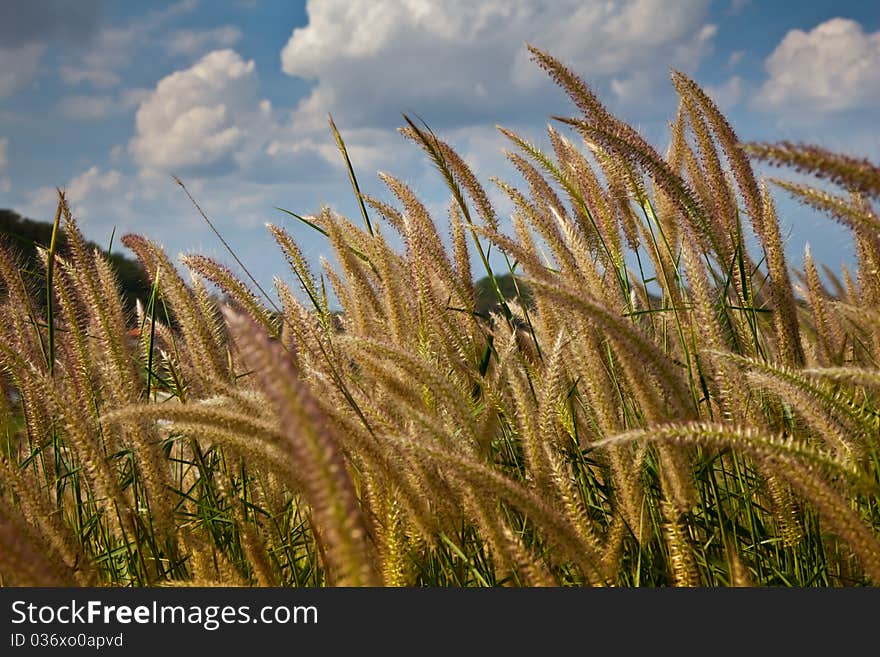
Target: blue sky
{"x":109,"y":99}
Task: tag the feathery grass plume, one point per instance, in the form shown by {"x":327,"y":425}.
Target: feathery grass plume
{"x":856,"y":174}
{"x":461,"y":258}
{"x":450,"y":392}
{"x":297,"y":332}
{"x":509,"y":553}
{"x":44,"y":525}
{"x":785,"y":509}
{"x":678,"y":545}
{"x":365,"y":307}
{"x":836,"y":511}
{"x":864,"y":333}
{"x":582,"y":96}
{"x":781,"y":293}
{"x":592,"y":192}
{"x":776,"y":450}
{"x":27,"y":375}
{"x":837,"y":420}
{"x":232,"y":286}
{"x":541,"y":218}
{"x":386,"y":515}
{"x":854,"y":214}
{"x":706,"y":327}
{"x":300,"y":267}
{"x":569,"y":186}
{"x":856,"y":375}
{"x":739,"y":572}
{"x":799,"y":465}
{"x":565,"y":483}
{"x":828,"y":334}
{"x":327,"y":485}
{"x":259,"y":440}
{"x":733,"y":149}
{"x":484,"y":480}
{"x":625,"y":186}
{"x":426,"y":251}
{"x":97,"y":287}
{"x":254,"y":547}
{"x":711,"y":175}
{"x":526,"y":413}
{"x":868,"y":254}
{"x":638,"y":353}
{"x":834,"y":281}
{"x":195,"y":329}
{"x":432,"y":146}
{"x":84,"y":435}
{"x":852,"y":293}
{"x":391,"y":214}
{"x":543,"y":195}
{"x":25,"y":561}
{"x":393,"y":291}
{"x":632,"y":147}
{"x":600,"y":387}
{"x":17,"y":309}
{"x":452,"y":165}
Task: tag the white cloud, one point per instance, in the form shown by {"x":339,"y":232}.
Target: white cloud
{"x":372,"y":60}
{"x":18,"y":66}
{"x":83,"y":107}
{"x":728,"y":94}
{"x":737,"y":7}
{"x":194,"y":42}
{"x":92,"y":181}
{"x":113,"y":47}
{"x":97,"y":77}
{"x":5,"y":183}
{"x":834,"y":67}
{"x":92,"y":192}
{"x":199,"y":116}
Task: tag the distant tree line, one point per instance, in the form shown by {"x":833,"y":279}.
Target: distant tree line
{"x":22,"y":236}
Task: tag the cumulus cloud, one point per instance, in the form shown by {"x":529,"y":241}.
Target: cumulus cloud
{"x":18,"y":66}
{"x":197,"y":117}
{"x":113,"y":46}
{"x":26,"y":28}
{"x":83,"y":107}
{"x":100,"y":196}
{"x":5,"y":183}
{"x":728,"y":94}
{"x":41,"y":20}
{"x":95,"y":76}
{"x":834,"y":67}
{"x":462,"y":59}
{"x":194,"y":42}
{"x":92,"y":181}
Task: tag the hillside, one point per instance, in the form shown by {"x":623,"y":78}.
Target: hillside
{"x":23,"y":235}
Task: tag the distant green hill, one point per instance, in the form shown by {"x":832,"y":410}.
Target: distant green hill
{"x":23,"y":235}
{"x":487,"y":299}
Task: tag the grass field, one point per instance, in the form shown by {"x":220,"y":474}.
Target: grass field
{"x":651,"y":404}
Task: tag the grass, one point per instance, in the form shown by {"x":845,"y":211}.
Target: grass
{"x":646,"y":403}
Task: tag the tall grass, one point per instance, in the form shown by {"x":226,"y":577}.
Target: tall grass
{"x":656,"y":405}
